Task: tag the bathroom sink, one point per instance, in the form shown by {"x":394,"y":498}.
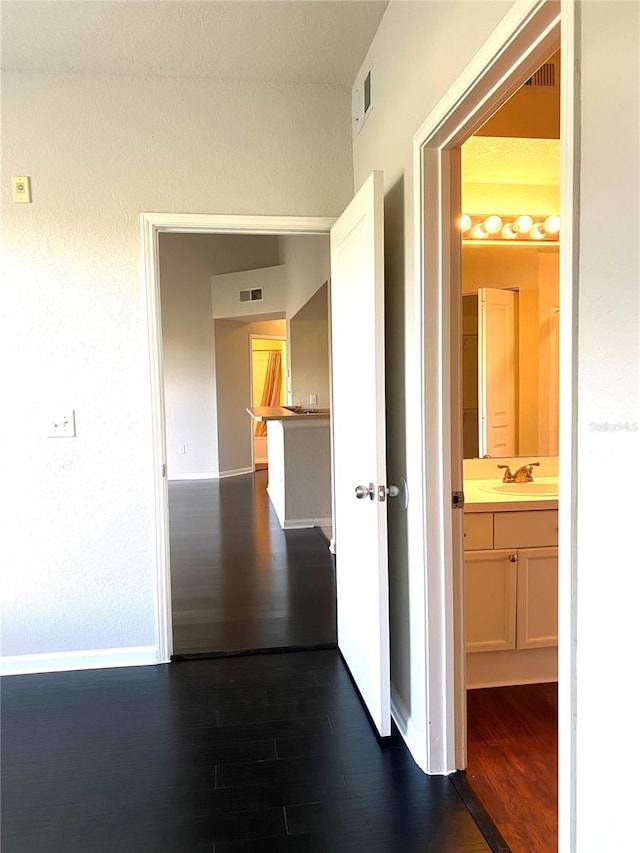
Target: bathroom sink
{"x":539,"y":490}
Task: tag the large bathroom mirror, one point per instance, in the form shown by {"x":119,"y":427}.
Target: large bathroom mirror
{"x":510,"y":351}
{"x":510,"y":297}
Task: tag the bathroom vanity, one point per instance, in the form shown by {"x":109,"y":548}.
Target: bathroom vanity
{"x":510,"y":581}
{"x":299,"y":452}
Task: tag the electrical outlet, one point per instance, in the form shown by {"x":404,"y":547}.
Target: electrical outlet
{"x":313,"y":399}
{"x":21,"y":188}
{"x":181,"y":448}
{"x":62,"y":425}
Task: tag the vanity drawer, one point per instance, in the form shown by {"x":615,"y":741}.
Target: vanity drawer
{"x":478,"y":531}
{"x":527,"y":529}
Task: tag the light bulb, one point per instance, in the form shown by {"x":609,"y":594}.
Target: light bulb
{"x":552,"y":224}
{"x":523,"y":224}
{"x":464,"y":222}
{"x":509,"y":232}
{"x":493,"y":224}
{"x":538,"y":232}
{"x":479,"y":231}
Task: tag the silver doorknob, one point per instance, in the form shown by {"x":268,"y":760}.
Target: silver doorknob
{"x":365,"y":491}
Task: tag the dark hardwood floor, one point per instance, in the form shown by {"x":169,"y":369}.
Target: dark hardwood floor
{"x":512,"y":762}
{"x":271,"y":753}
{"x":238,"y":581}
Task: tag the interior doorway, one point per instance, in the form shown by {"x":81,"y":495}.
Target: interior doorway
{"x":268,"y":387}
{"x":357,"y":263}
{"x":509,"y":274}
{"x":525,"y":39}
{"x":239,"y":581}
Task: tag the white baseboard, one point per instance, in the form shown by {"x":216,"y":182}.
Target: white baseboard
{"x":212,"y":475}
{"x":236,"y":472}
{"x":90,"y":659}
{"x":416,"y":741}
{"x":304,"y":523}
{"x":177,"y":477}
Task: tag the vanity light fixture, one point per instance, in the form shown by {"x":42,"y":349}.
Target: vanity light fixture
{"x":464,"y":222}
{"x":522,"y":228}
{"x":489,"y":226}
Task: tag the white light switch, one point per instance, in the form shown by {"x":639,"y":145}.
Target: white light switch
{"x":62,"y":425}
{"x":313,"y":399}
{"x":21,"y":188}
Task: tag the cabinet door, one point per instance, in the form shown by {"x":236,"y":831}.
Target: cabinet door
{"x":537,"y":598}
{"x":489,"y":601}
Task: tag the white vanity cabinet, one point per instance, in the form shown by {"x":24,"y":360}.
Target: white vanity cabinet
{"x":511,"y":597}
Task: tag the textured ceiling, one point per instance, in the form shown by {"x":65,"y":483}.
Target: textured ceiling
{"x":499,"y":160}
{"x":282,"y":40}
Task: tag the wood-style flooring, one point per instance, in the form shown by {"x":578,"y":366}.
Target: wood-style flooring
{"x":238,"y":581}
{"x":253,"y":754}
{"x":512,"y":762}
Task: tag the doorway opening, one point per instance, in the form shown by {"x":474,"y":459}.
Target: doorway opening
{"x":510,"y":201}
{"x":268,"y":387}
{"x":236,"y":581}
{"x":526,"y":38}
{"x":357,"y":257}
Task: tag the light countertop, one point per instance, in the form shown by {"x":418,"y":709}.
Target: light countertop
{"x":480,"y":496}
{"x":280,"y":413}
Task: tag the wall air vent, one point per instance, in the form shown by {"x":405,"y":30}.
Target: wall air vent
{"x":253,"y":295}
{"x":545,"y":76}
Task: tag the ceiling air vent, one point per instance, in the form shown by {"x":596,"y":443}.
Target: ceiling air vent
{"x":544,"y":76}
{"x":253,"y":295}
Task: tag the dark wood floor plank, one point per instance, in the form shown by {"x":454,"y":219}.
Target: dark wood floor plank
{"x":238,"y":581}
{"x":512,"y":764}
{"x":128,"y":760}
{"x":270,"y":752}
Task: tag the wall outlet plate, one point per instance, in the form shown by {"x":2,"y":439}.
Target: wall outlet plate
{"x":62,"y":425}
{"x":21,"y":188}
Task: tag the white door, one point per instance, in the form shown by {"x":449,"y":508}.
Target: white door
{"x":497,"y":371}
{"x":358,"y":424}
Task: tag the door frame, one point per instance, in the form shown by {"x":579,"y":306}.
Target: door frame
{"x":526,"y":36}
{"x":152,"y":225}
{"x":253,"y":337}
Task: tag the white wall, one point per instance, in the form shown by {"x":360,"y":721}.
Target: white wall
{"x":187,"y":262}
{"x":608,"y":459}
{"x":225,"y":291}
{"x":418,"y":52}
{"x":77,"y":551}
{"x":308,"y":266}
{"x":309,"y":351}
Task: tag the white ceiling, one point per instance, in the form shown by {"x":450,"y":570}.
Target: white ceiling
{"x":502,"y":160}
{"x":304,"y":41}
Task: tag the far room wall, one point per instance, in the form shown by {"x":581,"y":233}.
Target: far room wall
{"x":204,"y":324}
{"x":187,"y":262}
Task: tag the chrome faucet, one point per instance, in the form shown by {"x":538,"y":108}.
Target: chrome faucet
{"x":524,"y":474}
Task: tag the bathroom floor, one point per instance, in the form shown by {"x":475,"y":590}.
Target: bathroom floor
{"x":512,"y":762}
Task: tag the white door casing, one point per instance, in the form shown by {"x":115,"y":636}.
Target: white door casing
{"x":527,"y":35}
{"x":497,"y":372}
{"x":359,"y":451}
